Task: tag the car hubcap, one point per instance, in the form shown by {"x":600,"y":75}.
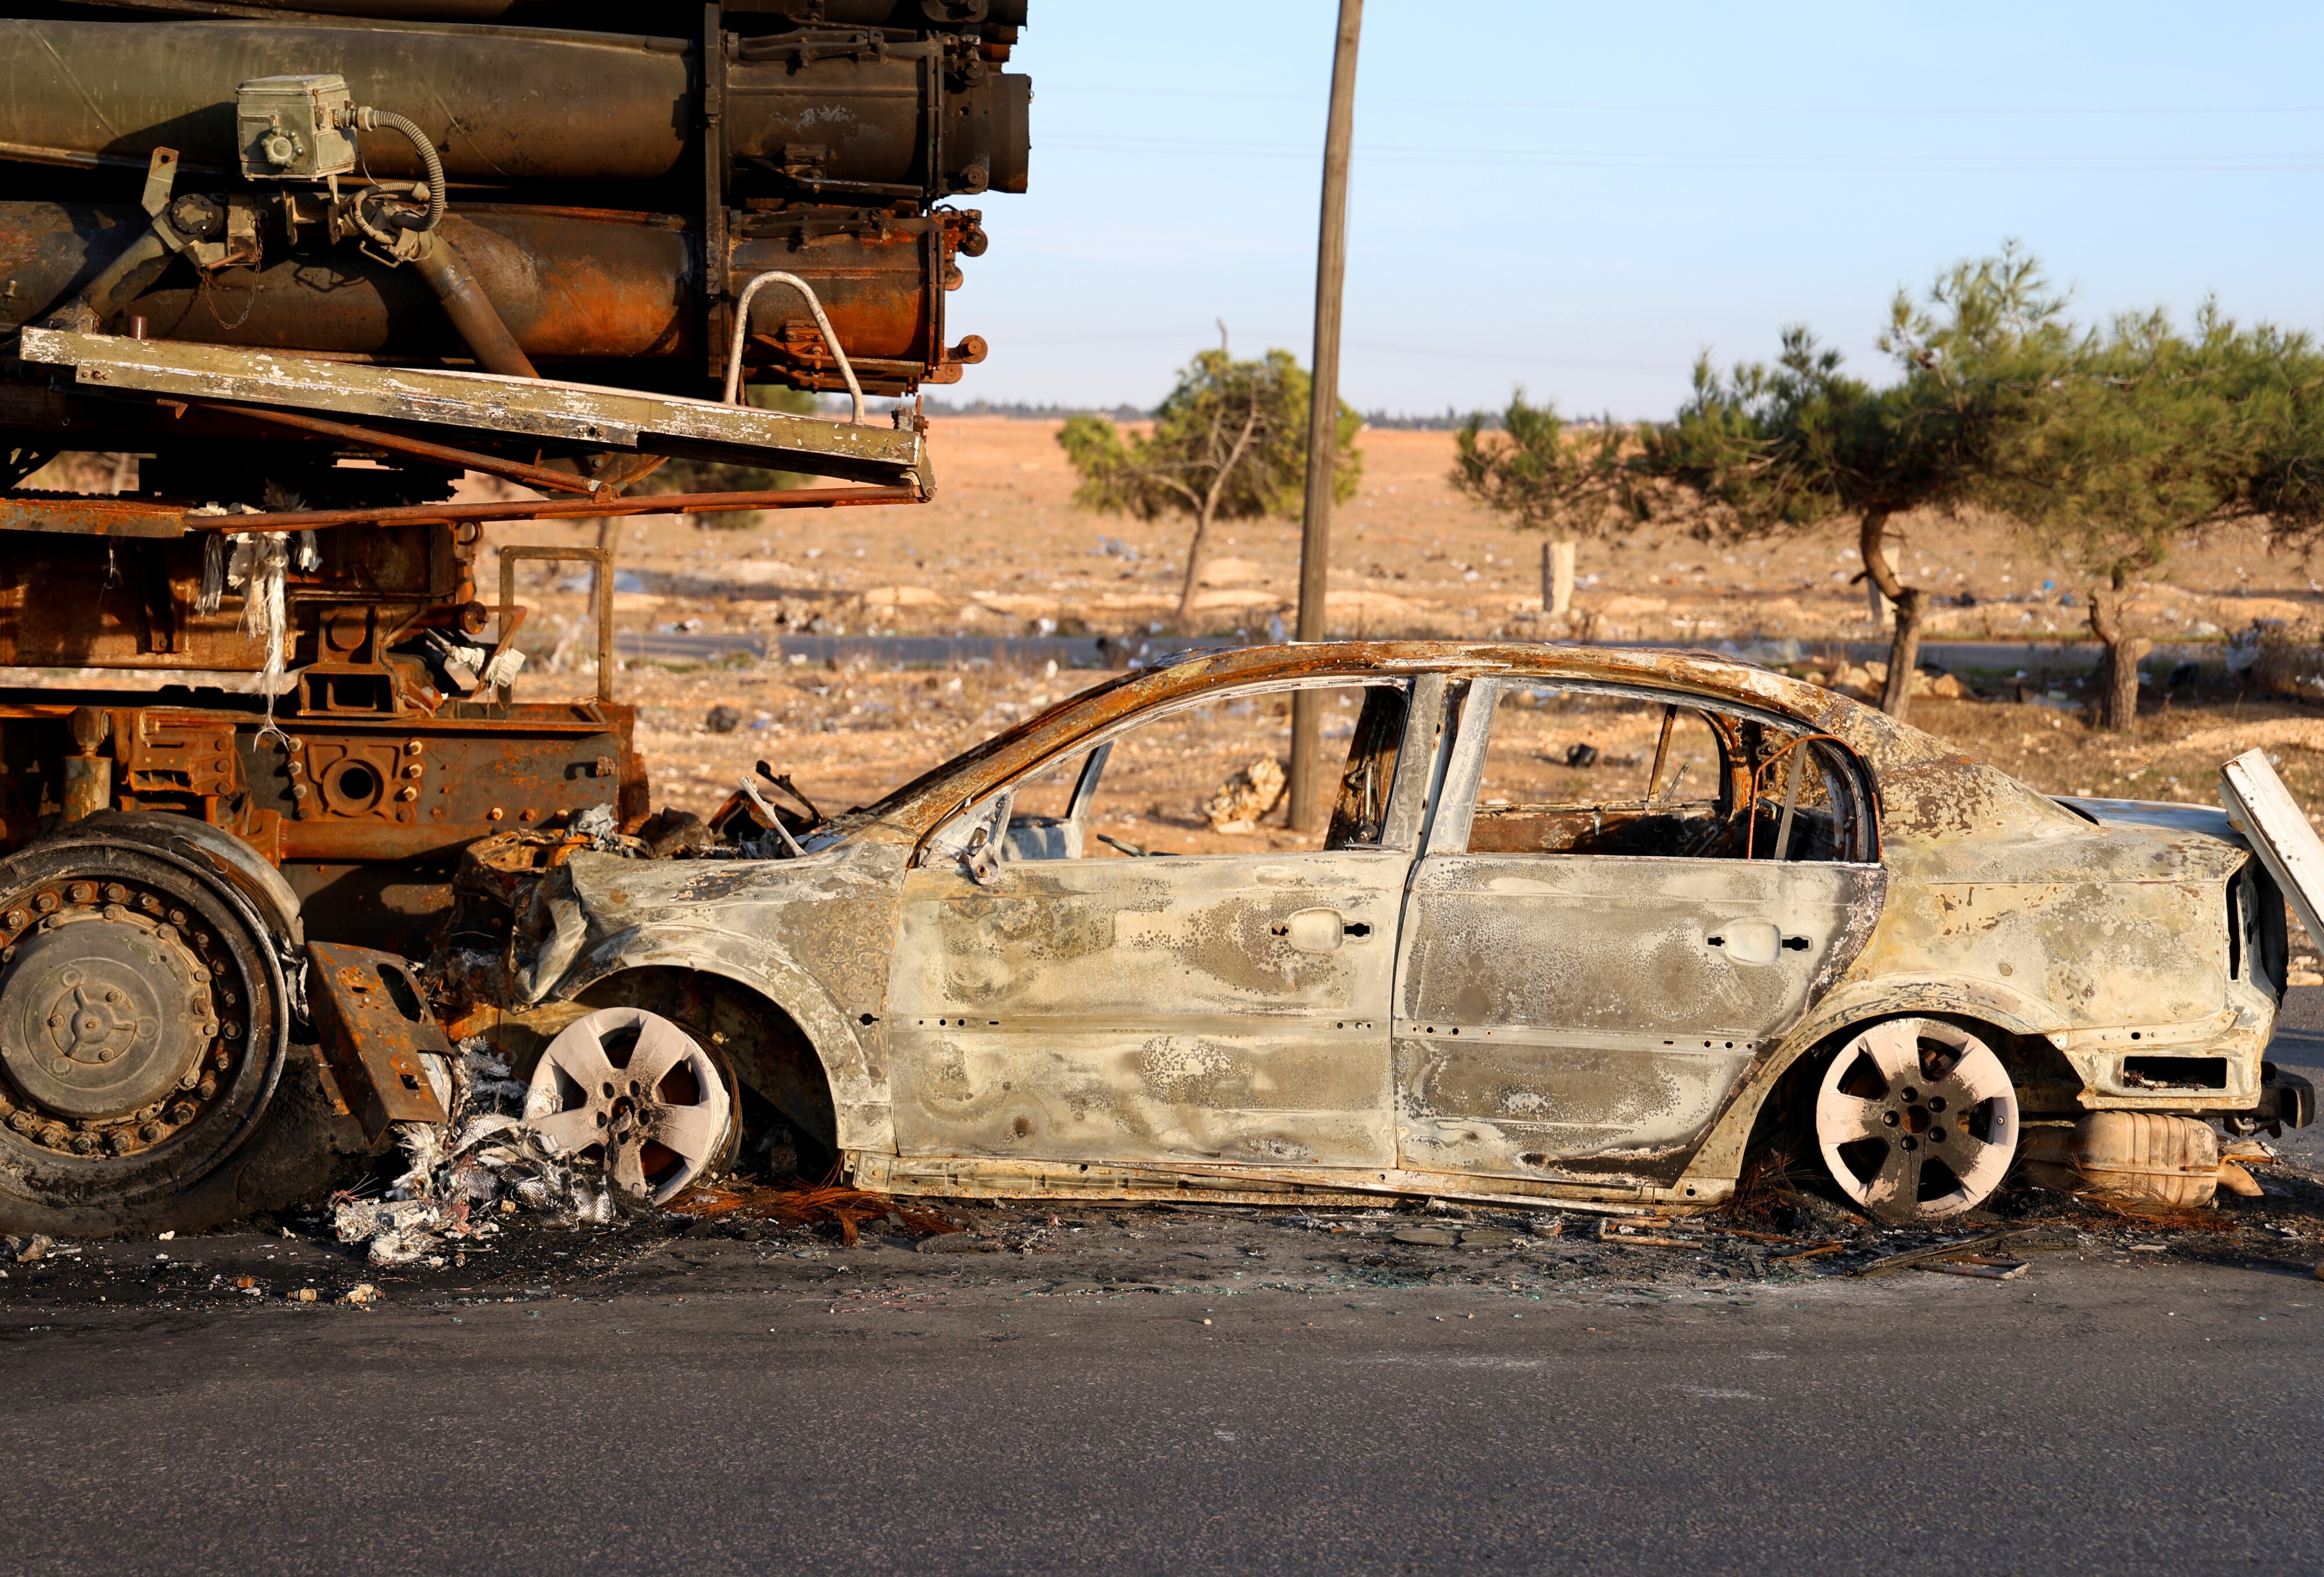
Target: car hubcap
{"x":1917,"y":1119}
{"x":633,"y":1090}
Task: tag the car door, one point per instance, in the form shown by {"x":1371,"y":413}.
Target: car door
{"x":1209,"y":1007}
{"x":1573,"y":1004}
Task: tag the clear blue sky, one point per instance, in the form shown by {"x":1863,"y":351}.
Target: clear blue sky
{"x":1580,"y":197}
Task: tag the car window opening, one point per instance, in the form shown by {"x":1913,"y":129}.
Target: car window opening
{"x":1205,"y":779}
{"x":1575,"y":772}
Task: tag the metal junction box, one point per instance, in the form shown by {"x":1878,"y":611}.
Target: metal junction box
{"x":294,"y":128}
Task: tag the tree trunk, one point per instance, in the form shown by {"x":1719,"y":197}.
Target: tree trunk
{"x":2118,"y":674}
{"x":1904,"y":646}
{"x":1193,"y":571}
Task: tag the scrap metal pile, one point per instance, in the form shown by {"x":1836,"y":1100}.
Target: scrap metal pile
{"x":310,"y":263}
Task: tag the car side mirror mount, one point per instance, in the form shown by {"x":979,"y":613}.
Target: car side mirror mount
{"x":979,"y":862}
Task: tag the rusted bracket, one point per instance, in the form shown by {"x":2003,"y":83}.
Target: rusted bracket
{"x":376,"y":1023}
{"x":511,"y":616}
{"x":719,"y":323}
{"x":420,"y":448}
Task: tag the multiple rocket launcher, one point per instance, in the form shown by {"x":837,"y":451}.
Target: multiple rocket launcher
{"x":610,"y":193}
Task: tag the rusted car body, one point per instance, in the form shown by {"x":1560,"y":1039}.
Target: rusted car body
{"x":1611,"y":1005}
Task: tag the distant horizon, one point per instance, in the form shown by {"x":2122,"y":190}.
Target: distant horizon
{"x":1580,"y":201}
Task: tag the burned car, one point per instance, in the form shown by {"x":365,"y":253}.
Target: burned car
{"x":1785,"y":924}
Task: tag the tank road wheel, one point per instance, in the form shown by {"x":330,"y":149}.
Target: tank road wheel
{"x":632,"y":1089}
{"x":143,"y":1017}
{"x":1917,"y":1119}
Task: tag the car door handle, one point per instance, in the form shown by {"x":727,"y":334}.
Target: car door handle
{"x":1755,"y":941}
{"x":1320,"y":930}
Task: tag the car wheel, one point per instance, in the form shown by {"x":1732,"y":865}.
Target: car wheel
{"x":633,"y":1090}
{"x":1917,"y":1120}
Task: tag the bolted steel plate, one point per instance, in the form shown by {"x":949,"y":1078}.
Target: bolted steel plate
{"x":102,"y":1017}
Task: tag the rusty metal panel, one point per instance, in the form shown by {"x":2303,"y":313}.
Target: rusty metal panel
{"x":1017,"y":1030}
{"x":375,"y":1024}
{"x":572,"y":412}
{"x":1558,"y":1011}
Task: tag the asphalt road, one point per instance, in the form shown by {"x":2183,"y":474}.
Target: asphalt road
{"x":2110,"y":1410}
{"x":2109,"y":1413}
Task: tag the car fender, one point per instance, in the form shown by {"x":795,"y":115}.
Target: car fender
{"x":859,"y":1083}
{"x":1857,"y":1002}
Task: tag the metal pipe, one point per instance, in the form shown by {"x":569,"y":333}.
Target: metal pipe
{"x":742,"y":331}
{"x":369,"y":119}
{"x":420,"y":448}
{"x":470,"y":309}
{"x":140,"y":263}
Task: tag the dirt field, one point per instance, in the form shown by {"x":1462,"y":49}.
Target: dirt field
{"x":1003,"y":550}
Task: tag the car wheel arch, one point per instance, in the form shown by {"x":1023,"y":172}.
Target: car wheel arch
{"x":853,"y":1076}
{"x":2017,"y":1025}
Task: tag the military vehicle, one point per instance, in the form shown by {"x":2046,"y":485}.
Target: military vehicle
{"x":311,"y":263}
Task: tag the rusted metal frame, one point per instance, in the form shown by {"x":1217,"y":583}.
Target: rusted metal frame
{"x":1751,"y":799}
{"x":993,"y":763}
{"x":375,"y":1027}
{"x":714,"y":255}
{"x":510,"y":614}
{"x":589,"y":415}
{"x":453,"y":512}
{"x":1662,"y":751}
{"x":1456,"y":787}
{"x":419,"y":448}
{"x":962,"y":1177}
{"x":92,"y":517}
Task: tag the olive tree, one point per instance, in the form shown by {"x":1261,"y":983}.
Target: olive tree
{"x":2150,"y":437}
{"x":1541,"y":475}
{"x":1229,"y":442}
{"x":1797,"y":442}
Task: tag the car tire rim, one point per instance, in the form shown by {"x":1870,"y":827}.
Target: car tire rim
{"x":1917,"y":1120}
{"x":633,"y":1091}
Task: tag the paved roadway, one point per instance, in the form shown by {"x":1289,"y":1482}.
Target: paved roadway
{"x":2109,"y":1411}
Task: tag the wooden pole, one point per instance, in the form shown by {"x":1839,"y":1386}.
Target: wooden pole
{"x":1323,"y":416}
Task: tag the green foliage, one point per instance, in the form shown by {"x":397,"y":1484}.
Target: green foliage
{"x":2140,"y":438}
{"x":1796,"y":442}
{"x":1541,"y":475}
{"x":1229,"y":443}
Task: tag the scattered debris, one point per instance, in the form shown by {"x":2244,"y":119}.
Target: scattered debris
{"x":807,"y":1204}
{"x":483,"y":1157}
{"x":723,"y":719}
{"x":24,"y":1250}
{"x":1986,"y":1267}
{"x":1242,"y":799}
{"x":1969,"y":1248}
{"x":362,"y":1292}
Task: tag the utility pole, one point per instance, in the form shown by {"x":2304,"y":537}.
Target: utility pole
{"x":1323,"y":416}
